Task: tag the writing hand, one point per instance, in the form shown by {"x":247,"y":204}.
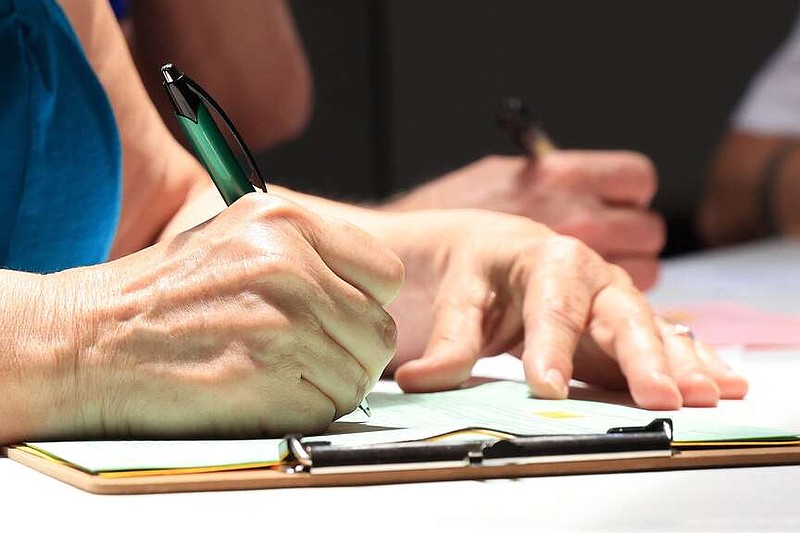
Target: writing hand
{"x":265,"y":320}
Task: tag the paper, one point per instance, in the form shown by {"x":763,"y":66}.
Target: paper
{"x":729,"y":324}
{"x":506,"y":406}
{"x":762,"y":273}
{"x":109,"y":456}
{"x":502,"y":406}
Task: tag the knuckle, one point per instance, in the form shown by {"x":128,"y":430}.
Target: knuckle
{"x":570,"y":250}
{"x":271,"y":208}
{"x":396,"y":272}
{"x":259,"y":203}
{"x":360,"y":388}
{"x":387,"y":330}
{"x":566,"y":313}
{"x":643,"y":168}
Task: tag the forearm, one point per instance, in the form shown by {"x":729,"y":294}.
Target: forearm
{"x":493,"y":183}
{"x":741,"y":201}
{"x":38,"y":347}
{"x":247,"y":54}
{"x":158,"y":174}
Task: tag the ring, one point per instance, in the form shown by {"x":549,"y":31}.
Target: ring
{"x":683,"y":329}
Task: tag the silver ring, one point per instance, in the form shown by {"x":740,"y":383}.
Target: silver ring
{"x":682,"y":329}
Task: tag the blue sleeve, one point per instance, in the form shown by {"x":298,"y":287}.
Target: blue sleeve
{"x":60,"y":154}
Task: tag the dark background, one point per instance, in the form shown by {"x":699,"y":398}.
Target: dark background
{"x":406,"y":89}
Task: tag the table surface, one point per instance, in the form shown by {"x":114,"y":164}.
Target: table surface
{"x":731,"y":499}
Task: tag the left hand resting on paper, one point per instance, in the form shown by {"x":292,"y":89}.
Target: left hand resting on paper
{"x":480,"y":284}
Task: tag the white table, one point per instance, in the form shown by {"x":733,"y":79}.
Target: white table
{"x":736,"y":499}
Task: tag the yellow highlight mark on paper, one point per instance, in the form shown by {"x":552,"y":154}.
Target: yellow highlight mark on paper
{"x":557,"y":414}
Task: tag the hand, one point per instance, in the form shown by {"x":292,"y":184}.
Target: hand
{"x":265,"y":320}
{"x":494,"y":283}
{"x":600,"y":198}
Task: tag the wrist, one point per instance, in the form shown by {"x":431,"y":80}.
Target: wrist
{"x":768,"y":189}
{"x":40,"y":341}
{"x":782,"y":193}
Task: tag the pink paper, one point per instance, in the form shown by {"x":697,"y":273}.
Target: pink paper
{"x":729,"y":324}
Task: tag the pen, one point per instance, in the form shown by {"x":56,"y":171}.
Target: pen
{"x":191,"y":103}
{"x":524,"y":128}
{"x":233,"y":176}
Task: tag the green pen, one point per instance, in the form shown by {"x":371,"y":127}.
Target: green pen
{"x":191,"y":105}
{"x":233,"y":176}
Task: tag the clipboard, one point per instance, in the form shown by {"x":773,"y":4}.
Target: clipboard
{"x":648,"y":448}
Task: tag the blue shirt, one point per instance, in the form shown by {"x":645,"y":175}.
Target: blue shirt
{"x":60,"y":160}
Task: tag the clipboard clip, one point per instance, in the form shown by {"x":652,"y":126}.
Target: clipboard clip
{"x":652,"y":440}
{"x":659,"y":424}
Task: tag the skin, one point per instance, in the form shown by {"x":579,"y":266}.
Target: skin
{"x":281,"y":77}
{"x":545,"y":297}
{"x":599,"y":197}
{"x":731,"y":208}
{"x":270,"y":316}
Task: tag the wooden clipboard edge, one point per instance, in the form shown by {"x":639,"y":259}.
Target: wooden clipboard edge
{"x":269,"y":478}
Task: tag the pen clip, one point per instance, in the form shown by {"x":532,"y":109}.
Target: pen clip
{"x":254,"y":175}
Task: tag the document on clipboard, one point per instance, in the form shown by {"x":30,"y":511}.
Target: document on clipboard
{"x":492,"y":430}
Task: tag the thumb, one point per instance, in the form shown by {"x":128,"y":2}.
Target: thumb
{"x":456,"y":339}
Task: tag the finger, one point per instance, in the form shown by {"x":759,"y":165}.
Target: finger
{"x":359,"y":259}
{"x":354,"y":255}
{"x":555,"y":309}
{"x":643,"y":271}
{"x":732,"y":385}
{"x":617,"y":177}
{"x":355,"y":321}
{"x":617,"y":231}
{"x":311,"y":294}
{"x":267,"y":404}
{"x":456,"y":339}
{"x":333,"y":370}
{"x":697,"y":388}
{"x":304,"y":409}
{"x":623,"y":326}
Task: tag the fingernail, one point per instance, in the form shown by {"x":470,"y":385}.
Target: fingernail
{"x":556,"y":380}
{"x":700,"y":390}
{"x":666,"y":380}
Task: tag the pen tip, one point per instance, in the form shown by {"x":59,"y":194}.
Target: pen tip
{"x":170,"y":72}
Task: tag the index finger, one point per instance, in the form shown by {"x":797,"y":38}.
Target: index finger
{"x":351,"y":253}
{"x":359,"y":258}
